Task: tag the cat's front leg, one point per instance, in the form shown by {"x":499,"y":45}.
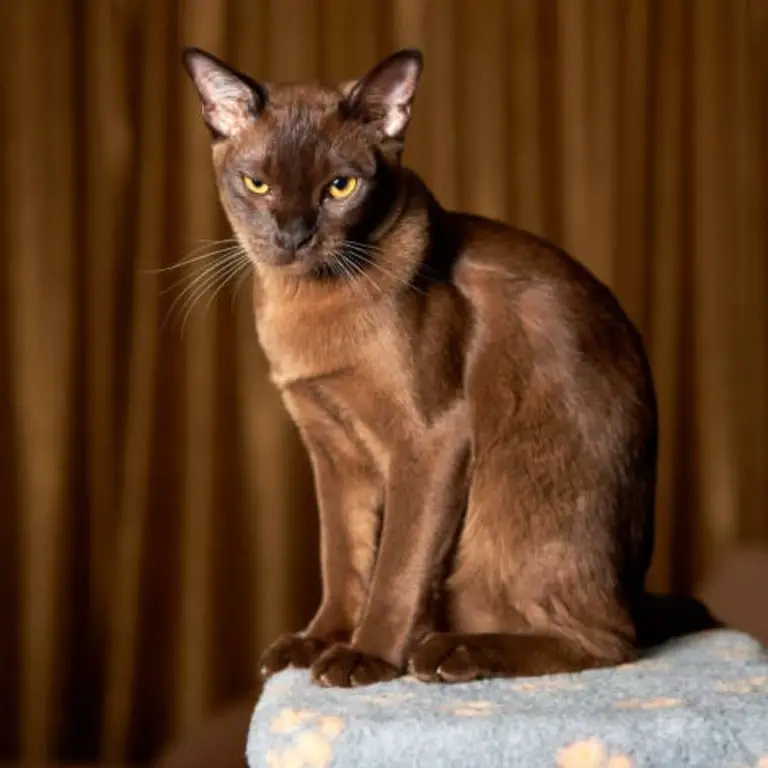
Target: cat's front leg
{"x":426,"y":498}
{"x":348,"y":499}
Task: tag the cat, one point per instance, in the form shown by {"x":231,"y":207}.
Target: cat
{"x":479,"y":411}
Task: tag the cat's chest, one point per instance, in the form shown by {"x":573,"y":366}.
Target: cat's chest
{"x":303,"y":344}
{"x":291,"y":361}
{"x":366,"y":405}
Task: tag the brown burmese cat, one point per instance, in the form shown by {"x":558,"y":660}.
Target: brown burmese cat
{"x":478,"y":410}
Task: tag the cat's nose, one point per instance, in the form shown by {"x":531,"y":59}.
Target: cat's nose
{"x":295,"y":234}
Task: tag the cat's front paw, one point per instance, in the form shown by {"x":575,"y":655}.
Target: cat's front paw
{"x":343,"y":666}
{"x":290,"y":650}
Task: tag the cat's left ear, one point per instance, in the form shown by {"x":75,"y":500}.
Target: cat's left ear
{"x":385,"y":95}
{"x":230,"y":99}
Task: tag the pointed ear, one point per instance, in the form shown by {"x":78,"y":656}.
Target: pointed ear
{"x":385,"y":94}
{"x":230,"y":99}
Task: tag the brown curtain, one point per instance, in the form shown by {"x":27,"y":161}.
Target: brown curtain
{"x":157,"y":524}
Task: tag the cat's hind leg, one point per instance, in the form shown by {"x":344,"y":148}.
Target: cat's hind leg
{"x":453,"y":657}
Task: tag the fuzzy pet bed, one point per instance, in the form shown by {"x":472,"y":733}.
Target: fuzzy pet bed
{"x":701,"y":701}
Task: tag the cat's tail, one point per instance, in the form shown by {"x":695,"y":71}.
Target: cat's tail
{"x":660,"y":618}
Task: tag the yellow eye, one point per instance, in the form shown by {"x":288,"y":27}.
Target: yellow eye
{"x":342,"y":186}
{"x":255,"y":185}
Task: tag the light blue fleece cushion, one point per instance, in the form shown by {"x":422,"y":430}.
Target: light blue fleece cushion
{"x":698,"y":701}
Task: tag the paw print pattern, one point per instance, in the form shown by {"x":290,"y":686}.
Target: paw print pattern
{"x":311,"y":748}
{"x":590,"y":754}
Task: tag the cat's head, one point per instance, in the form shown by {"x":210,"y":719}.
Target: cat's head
{"x":304,"y":169}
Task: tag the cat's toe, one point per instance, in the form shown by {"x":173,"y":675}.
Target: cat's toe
{"x":370,"y":670}
{"x":464,"y":664}
{"x":427,"y":656}
{"x":290,"y":650}
{"x":447,"y":658}
{"x":343,"y":666}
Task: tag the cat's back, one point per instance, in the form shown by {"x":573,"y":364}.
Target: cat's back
{"x":505,"y":271}
{"x":538,"y":307}
{"x":494,"y":253}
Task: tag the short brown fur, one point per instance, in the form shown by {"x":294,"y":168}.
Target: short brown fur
{"x":478,"y":410}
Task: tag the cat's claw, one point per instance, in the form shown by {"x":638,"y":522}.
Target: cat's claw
{"x":343,"y":666}
{"x":290,"y":650}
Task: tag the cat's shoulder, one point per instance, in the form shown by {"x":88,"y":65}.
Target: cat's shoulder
{"x":499,"y":265}
{"x":489,"y":249}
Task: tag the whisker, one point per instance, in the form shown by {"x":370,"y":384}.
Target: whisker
{"x":424,"y":269}
{"x":217,"y":279}
{"x":360,"y":271}
{"x":220,"y":256}
{"x":407,"y":282}
{"x":202,"y":278}
{"x":201,"y":275}
{"x":207,"y":242}
{"x":359,"y":288}
{"x":366,"y":246}
{"x":203,"y":257}
{"x":238,"y":285}
{"x":371,"y":299}
{"x":238,"y":267}
{"x":363,"y":290}
{"x":212,"y":241}
{"x":192,"y":256}
{"x":371,"y":319}
{"x":340,"y":262}
{"x":384,"y":270}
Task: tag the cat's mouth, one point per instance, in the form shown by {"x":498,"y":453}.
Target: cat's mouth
{"x":286,"y":257}
{"x":296,"y":259}
{"x":307,"y":261}
{"x":319,"y":258}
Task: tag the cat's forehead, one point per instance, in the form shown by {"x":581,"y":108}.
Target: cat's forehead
{"x":299,"y":125}
{"x":300,"y":116}
{"x":318,"y":99}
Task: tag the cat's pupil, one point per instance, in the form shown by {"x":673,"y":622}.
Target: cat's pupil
{"x":340,"y":182}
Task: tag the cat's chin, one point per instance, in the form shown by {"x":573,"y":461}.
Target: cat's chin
{"x":279,"y":258}
{"x":310,"y":263}
{"x":296,"y":266}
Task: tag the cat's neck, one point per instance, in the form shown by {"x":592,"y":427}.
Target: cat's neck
{"x":310,"y":327}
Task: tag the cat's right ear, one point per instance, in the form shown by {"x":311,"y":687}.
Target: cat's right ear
{"x":230,"y":99}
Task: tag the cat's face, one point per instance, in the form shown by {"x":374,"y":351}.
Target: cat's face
{"x":305,"y":170}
